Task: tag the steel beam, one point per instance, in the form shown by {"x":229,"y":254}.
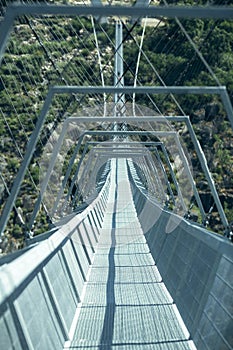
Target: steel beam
{"x":224,"y":12}
{"x":203,"y":161}
{"x":201,"y":156}
{"x":24,"y":165}
{"x":227,"y":104}
{"x":179,"y":193}
{"x":75,"y":174}
{"x":40,"y":197}
{"x":151,"y":165}
{"x":156,"y":118}
{"x":164,"y":174}
{"x":161,"y":134}
{"x":45,"y":181}
{"x":74,"y":89}
{"x":82,"y":157}
{"x":16,"y":10}
{"x":198,"y":90}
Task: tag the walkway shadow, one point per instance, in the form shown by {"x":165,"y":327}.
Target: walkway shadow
{"x":108,"y":324}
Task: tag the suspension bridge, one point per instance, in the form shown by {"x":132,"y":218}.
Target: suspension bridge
{"x":98,"y":189}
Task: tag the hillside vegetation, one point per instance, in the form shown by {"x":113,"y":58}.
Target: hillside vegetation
{"x":48,"y":51}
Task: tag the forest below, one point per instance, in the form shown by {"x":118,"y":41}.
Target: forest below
{"x":43,"y":52}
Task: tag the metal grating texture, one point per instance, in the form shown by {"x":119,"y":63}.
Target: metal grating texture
{"x":126,"y":303}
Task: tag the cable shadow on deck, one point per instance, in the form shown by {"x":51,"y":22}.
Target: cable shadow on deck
{"x":106,"y":338}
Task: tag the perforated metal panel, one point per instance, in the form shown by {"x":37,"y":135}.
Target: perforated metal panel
{"x":196,"y":267}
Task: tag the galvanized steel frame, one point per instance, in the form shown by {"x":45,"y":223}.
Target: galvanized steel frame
{"x":77,"y":89}
{"x":85,"y":90}
{"x":92,"y":132}
{"x":152,"y":147}
{"x":196,"y":143}
{"x":59,"y":143}
{"x":17,"y":10}
{"x":110,"y":133}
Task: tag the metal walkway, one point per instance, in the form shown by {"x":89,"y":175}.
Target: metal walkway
{"x":94,"y":284}
{"x":126,"y":305}
{"x":122,"y":265}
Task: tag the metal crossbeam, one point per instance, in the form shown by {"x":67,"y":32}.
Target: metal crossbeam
{"x":128,"y":119}
{"x":127,"y":133}
{"x":200,"y":154}
{"x":85,"y":90}
{"x":224,"y":12}
{"x":138,"y":89}
{"x":15,"y":10}
{"x":152,"y":146}
{"x":55,"y":152}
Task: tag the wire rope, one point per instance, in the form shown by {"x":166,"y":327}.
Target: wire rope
{"x":195,"y":48}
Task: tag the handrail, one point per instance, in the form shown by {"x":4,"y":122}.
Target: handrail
{"x":17,"y":272}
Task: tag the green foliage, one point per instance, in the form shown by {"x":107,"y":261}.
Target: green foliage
{"x":229,"y":212}
{"x":13,"y":164}
{"x":66,"y":54}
